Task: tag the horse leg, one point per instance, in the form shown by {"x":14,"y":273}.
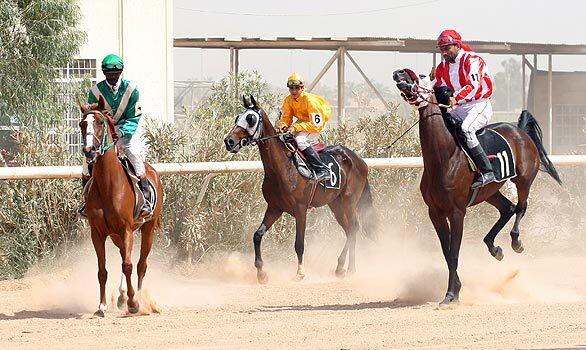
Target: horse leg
{"x":126,"y":254}
{"x":122,"y":288}
{"x":520,"y":208}
{"x":271,"y":215}
{"x":440,"y":224}
{"x":506,"y":209}
{"x":146,"y":244}
{"x":350,"y":226}
{"x":300,"y":222}
{"x":456,"y":231}
{"x":99,"y":242}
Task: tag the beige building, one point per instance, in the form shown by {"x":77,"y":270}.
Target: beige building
{"x":141,"y":31}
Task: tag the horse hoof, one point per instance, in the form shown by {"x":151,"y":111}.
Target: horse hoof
{"x":299,"y":277}
{"x":121,"y":301}
{"x":99,"y":313}
{"x":449,"y":302}
{"x":133,"y":309}
{"x":262,"y":277}
{"x":498,"y":253}
{"x":517,"y":246}
{"x":340,"y":273}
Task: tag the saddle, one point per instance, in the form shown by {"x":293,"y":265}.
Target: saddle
{"x":139,"y":199}
{"x":497,"y":148}
{"x":305,"y":170}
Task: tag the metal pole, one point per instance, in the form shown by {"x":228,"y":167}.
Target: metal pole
{"x":236,"y":68}
{"x":550,"y":103}
{"x":232,"y":62}
{"x":323,"y":71}
{"x":523,"y":82}
{"x":434,"y":62}
{"x":341,"y":81}
{"x":378,"y":94}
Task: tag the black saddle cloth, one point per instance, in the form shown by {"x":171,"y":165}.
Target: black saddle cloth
{"x":495,"y":146}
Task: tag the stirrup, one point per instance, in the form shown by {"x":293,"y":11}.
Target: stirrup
{"x":324,"y":177}
{"x":483,"y":180}
{"x":82,"y":210}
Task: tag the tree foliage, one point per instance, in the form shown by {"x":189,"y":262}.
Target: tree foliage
{"x":507,"y":93}
{"x":36,"y":37}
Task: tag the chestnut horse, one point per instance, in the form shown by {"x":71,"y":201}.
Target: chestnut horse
{"x":285,"y":190}
{"x":447,"y":177}
{"x":110,"y":205}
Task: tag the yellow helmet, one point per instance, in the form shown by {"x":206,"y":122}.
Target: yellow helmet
{"x":295,"y":80}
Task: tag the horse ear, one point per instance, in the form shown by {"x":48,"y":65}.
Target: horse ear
{"x":101,"y":103}
{"x":81,"y":107}
{"x":253,"y":102}
{"x":245,"y":101}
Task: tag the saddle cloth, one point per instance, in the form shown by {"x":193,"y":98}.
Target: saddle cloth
{"x":327,"y":158}
{"x":139,"y":199}
{"x":496,"y":147}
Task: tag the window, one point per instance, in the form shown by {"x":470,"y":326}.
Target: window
{"x":568,"y":127}
{"x":70,"y":79}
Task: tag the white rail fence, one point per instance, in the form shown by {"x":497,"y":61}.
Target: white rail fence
{"x":71,"y":172}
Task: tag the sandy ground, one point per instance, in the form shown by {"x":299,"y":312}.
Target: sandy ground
{"x":523,"y":302}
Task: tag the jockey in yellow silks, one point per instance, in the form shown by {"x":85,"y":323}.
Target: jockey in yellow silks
{"x":304,"y":115}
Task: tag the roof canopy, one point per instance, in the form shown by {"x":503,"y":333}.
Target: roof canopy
{"x":375,"y":44}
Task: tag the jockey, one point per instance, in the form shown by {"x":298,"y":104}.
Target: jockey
{"x":121,"y":99}
{"x":466,"y":74}
{"x":311,"y":113}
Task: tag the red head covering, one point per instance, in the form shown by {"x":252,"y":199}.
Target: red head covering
{"x":451,"y":37}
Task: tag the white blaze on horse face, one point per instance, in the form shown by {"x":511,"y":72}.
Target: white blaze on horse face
{"x":89,"y":131}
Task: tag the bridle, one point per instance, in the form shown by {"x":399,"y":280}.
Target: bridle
{"x":256,"y":136}
{"x":103,"y":146}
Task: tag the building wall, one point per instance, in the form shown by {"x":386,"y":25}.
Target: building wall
{"x":141,"y":31}
{"x":569,"y":108}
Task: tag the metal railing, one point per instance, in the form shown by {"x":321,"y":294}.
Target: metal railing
{"x":72,"y":172}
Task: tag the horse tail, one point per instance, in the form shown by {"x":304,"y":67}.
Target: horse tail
{"x":529,"y":124}
{"x":366,"y":213}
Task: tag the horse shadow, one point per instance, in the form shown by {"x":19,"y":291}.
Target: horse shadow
{"x":394,"y":304}
{"x":42,"y":314}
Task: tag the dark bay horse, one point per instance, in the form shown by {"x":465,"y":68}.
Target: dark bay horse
{"x":447,"y":177}
{"x":110,"y":205}
{"x":285,"y":190}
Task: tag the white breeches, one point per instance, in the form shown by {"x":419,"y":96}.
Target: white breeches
{"x":305,"y":139}
{"x":474,"y":115}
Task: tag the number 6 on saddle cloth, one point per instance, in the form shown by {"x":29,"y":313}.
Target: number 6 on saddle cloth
{"x":305,"y":170}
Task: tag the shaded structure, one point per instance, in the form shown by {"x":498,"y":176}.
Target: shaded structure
{"x":343,"y":45}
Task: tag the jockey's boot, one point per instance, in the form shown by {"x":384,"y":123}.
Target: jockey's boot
{"x":322,"y":172}
{"x":486,"y":174}
{"x":144,"y":187}
{"x":82,"y":209}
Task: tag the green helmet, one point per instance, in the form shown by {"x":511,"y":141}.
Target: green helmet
{"x":112,"y":63}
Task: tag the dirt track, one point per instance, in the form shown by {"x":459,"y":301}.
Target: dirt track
{"x":521,"y":302}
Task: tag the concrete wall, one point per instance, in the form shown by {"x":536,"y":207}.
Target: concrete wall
{"x":141,"y":31}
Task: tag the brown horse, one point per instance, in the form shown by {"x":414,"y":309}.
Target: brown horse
{"x":285,"y":190}
{"x":447,"y":177}
{"x":110,"y":204}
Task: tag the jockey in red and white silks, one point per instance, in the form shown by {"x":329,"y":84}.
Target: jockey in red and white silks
{"x":466,"y":74}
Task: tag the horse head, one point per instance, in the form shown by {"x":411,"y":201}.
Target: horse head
{"x":247,"y":127}
{"x":415,"y":88}
{"x":93,"y":123}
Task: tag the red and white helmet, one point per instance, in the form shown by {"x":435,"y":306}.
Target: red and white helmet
{"x":451,"y":37}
